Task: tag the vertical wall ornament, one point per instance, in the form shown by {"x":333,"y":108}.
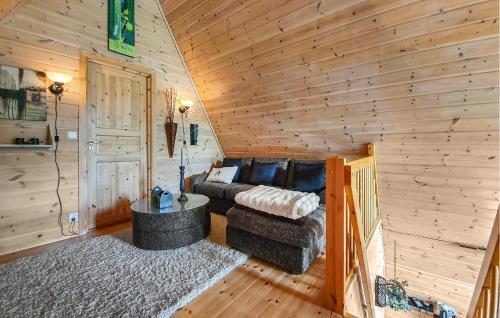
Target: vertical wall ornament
{"x":170,"y":126}
{"x":171,"y":132}
{"x":193,"y":132}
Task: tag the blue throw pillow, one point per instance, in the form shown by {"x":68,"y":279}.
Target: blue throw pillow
{"x":309,"y":177}
{"x":263,"y":173}
{"x":228,"y":162}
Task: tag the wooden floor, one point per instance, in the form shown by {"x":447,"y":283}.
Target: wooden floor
{"x":254,"y":289}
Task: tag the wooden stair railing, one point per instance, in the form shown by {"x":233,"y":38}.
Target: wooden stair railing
{"x":352,"y":215}
{"x":485,"y":299}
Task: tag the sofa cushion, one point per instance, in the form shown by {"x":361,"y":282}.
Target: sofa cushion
{"x":245,"y":170}
{"x":263,"y":173}
{"x":231,"y":162}
{"x":222,"y":175}
{"x":291,"y":168}
{"x":303,"y":232}
{"x":281,"y":170}
{"x":211,"y":189}
{"x":309,"y":177}
{"x":236,"y":188}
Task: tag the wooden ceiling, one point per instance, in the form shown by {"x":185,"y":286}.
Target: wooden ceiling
{"x":315,"y":78}
{"x":7,"y":7}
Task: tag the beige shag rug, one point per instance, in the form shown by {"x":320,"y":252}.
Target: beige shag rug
{"x":107,"y":277}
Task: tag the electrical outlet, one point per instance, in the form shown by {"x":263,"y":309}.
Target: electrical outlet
{"x":73,"y":217}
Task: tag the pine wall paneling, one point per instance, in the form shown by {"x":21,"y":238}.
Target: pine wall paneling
{"x":418,"y":78}
{"x":51,"y":36}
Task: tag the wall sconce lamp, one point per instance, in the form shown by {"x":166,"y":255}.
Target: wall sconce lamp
{"x":186,"y":104}
{"x":59,"y":80}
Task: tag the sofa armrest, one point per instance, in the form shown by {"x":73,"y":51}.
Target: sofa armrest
{"x":196,"y":179}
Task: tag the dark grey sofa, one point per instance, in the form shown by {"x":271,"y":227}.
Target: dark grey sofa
{"x":222,"y":195}
{"x":291,"y":244}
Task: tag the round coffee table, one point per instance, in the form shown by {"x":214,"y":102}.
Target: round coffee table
{"x":182,"y":224}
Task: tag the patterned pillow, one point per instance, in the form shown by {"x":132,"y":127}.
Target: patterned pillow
{"x":222,"y":175}
{"x":230,"y":162}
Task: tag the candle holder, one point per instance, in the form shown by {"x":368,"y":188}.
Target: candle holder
{"x":182,"y":186}
{"x":182,"y":183}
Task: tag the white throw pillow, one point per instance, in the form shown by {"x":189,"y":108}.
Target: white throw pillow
{"x":222,"y":175}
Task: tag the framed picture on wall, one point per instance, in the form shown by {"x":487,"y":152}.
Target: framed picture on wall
{"x":23,"y":94}
{"x":121,"y":27}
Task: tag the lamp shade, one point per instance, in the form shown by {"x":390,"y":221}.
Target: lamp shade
{"x":59,"y":77}
{"x":187,"y":103}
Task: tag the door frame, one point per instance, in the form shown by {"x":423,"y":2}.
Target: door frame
{"x":150,"y":75}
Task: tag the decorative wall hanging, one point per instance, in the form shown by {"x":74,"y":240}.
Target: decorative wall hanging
{"x":170,"y":126}
{"x":193,"y":132}
{"x":22,"y":94}
{"x":121,"y":27}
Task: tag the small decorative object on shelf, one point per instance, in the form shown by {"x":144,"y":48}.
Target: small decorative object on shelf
{"x":32,"y":141}
{"x":193,"y":131}
{"x":170,"y":126}
{"x":161,"y":198}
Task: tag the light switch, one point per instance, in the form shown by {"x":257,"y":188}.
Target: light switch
{"x":72,"y":135}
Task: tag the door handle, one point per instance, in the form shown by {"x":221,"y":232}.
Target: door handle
{"x":90,"y":144}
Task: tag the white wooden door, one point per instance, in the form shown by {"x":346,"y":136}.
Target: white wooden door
{"x":116,"y":143}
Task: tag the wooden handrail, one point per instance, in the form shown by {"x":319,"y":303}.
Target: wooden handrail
{"x":352,"y":214}
{"x":485,"y":298}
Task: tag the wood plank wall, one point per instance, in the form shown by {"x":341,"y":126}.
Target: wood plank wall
{"x":48,"y":35}
{"x":418,"y":78}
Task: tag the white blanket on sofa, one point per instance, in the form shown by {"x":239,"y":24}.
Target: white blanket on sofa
{"x":286,"y":203}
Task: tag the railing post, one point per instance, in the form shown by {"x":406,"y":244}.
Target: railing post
{"x":335,"y":276}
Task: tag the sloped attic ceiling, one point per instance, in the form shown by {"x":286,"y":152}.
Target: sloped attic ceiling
{"x":7,"y":7}
{"x":316,"y":78}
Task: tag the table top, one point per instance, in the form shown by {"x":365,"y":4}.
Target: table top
{"x":194,"y":201}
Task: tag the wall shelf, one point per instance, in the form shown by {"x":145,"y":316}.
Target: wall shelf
{"x":47,"y":141}
{"x":25,"y":146}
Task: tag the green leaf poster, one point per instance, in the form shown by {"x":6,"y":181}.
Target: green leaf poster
{"x":121,"y":27}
